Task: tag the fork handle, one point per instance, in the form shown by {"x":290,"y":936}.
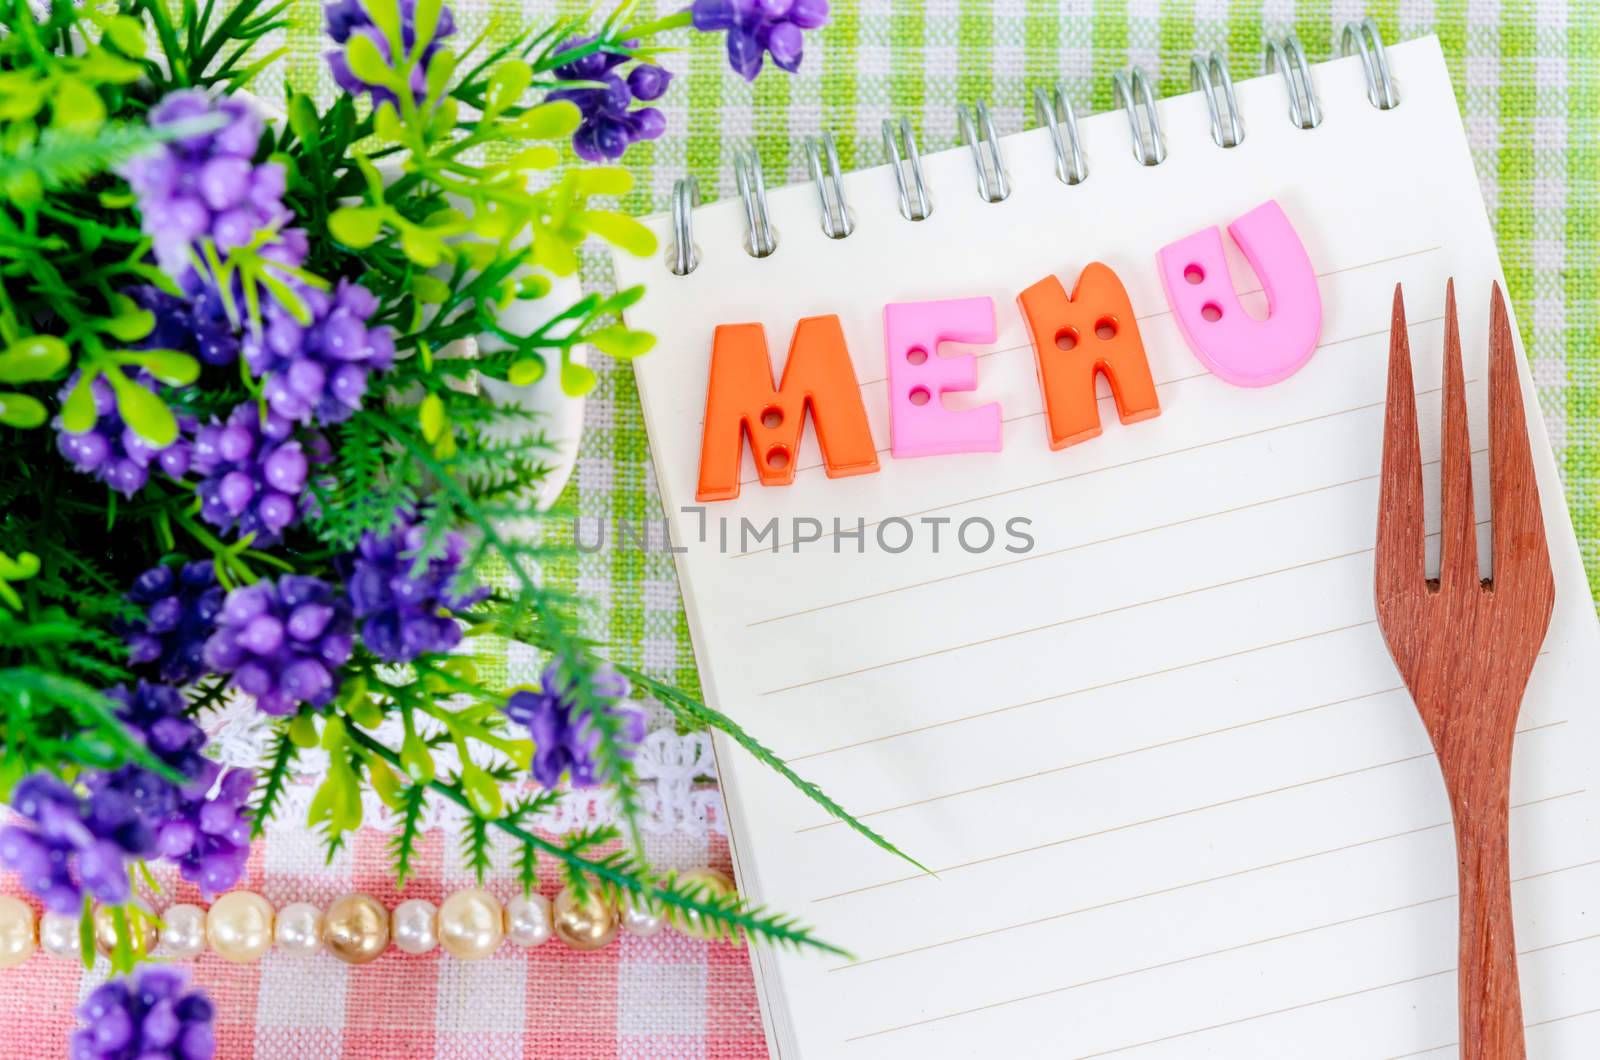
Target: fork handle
{"x":1491,"y":999}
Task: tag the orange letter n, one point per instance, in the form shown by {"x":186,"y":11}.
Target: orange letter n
{"x":740,"y":401}
{"x":1076,"y":338}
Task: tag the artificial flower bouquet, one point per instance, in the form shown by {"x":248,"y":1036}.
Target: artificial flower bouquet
{"x":246,"y":453}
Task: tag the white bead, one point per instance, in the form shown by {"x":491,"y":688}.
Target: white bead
{"x":415,"y":926}
{"x":298,"y":929}
{"x":528,"y":920}
{"x":183,"y":931}
{"x":637,"y":919}
{"x":58,"y":935}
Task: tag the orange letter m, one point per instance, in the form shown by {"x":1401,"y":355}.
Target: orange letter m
{"x":741,"y":401}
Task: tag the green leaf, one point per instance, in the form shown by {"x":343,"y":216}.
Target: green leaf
{"x":77,"y":411}
{"x":527,"y":371}
{"x":357,"y":226}
{"x":534,"y":285}
{"x":429,"y":289}
{"x":367,"y":62}
{"x":440,"y":71}
{"x":426,"y":23}
{"x":21,"y":96}
{"x":507,"y":84}
{"x":482,"y":792}
{"x":303,"y":730}
{"x":621,"y":231}
{"x":386,"y":124}
{"x":130,"y":326}
{"x":415,"y":759}
{"x":144,"y":411}
{"x":602,"y":180}
{"x":538,"y":157}
{"x":126,"y":34}
{"x":25,"y":566}
{"x":576,"y":380}
{"x":169,"y":366}
{"x":21,"y":410}
{"x":385,"y":14}
{"x":421,"y":246}
{"x":621,"y":343}
{"x":33,"y":359}
{"x":77,"y":106}
{"x":553,"y":120}
{"x":432,"y":418}
{"x":303,"y":120}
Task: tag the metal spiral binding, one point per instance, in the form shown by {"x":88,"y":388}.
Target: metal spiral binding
{"x":836,"y":220}
{"x":1285,"y":54}
{"x":911,"y":208}
{"x":760,"y":240}
{"x":1208,"y":74}
{"x":1135,"y":86}
{"x":1133,"y":91}
{"x":977,"y":129}
{"x":685,"y":197}
{"x":1055,"y":113}
{"x":1363,"y":36}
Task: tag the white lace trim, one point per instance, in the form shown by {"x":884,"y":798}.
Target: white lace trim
{"x":671,"y":769}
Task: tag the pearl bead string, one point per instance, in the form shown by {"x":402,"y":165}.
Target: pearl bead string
{"x":471,"y":924}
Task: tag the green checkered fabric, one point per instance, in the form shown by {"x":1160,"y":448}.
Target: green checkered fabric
{"x":1526,"y":74}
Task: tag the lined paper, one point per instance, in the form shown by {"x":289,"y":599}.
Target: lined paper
{"x":1177,"y":801}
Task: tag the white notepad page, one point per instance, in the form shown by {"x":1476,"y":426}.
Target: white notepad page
{"x":1178,"y":801}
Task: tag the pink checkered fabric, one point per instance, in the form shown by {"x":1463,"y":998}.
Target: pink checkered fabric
{"x":667,"y":996}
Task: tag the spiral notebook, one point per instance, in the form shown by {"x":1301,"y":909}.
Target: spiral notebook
{"x":1148,"y":737}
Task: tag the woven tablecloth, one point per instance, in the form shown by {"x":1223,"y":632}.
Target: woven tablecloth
{"x":1527,"y":76}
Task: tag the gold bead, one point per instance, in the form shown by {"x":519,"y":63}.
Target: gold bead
{"x":239,"y":926}
{"x":471,"y":924}
{"x":711,"y":884}
{"x":17,"y":938}
{"x":105,"y":930}
{"x":355,"y":929}
{"x":584,"y":925}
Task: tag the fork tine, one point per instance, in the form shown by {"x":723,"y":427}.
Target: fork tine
{"x":1458,"y":538}
{"x":1521,"y":554}
{"x":1401,"y":563}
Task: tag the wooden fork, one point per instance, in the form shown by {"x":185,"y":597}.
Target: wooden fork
{"x":1465,"y":647}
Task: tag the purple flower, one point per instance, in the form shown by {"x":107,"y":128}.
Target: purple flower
{"x":196,"y":324}
{"x":208,"y":836}
{"x":58,"y":858}
{"x":564,"y":736}
{"x":180,"y":606}
{"x":205,"y":833}
{"x":282,"y":641}
{"x":82,"y":840}
{"x":608,"y":127}
{"x":252,"y":473}
{"x":319,"y":370}
{"x":112,"y":451}
{"x":208,"y":185}
{"x":757,"y":28}
{"x":145,"y":1016}
{"x":347,"y":18}
{"x":405,"y":611}
{"x":159,"y":716}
